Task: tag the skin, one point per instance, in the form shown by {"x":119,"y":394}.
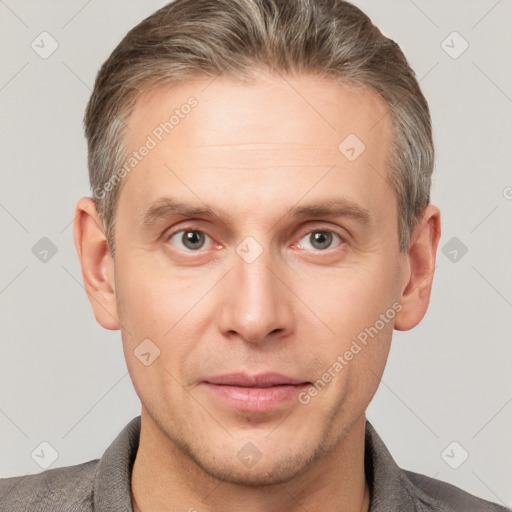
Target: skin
{"x":254,"y":153}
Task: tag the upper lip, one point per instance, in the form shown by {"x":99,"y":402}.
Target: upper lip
{"x":260,"y":380}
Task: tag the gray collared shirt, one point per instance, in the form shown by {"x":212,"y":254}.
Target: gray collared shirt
{"x":104,"y":485}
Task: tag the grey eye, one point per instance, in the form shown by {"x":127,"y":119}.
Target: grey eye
{"x":321,"y":239}
{"x":189,"y":239}
{"x":318,"y":240}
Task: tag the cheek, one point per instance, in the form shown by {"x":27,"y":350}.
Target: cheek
{"x":345,"y":301}
{"x":159,"y":337}
{"x":150,"y":299}
{"x":171,"y":311}
{"x":357,"y":307}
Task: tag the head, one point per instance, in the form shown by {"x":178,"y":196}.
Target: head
{"x":261,"y":174}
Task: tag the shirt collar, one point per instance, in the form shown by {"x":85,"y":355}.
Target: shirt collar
{"x":113,"y":475}
{"x":390,"y":489}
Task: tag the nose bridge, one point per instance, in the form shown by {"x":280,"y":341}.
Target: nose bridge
{"x":256,"y":304}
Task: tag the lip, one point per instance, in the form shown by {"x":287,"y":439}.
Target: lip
{"x":262,"y":392}
{"x":259,"y":380}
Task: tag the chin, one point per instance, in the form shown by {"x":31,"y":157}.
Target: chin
{"x":271,"y":473}
{"x":282,"y":468}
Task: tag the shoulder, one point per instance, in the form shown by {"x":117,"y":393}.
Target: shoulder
{"x":439,"y":495}
{"x":395,"y":488}
{"x":69,"y":489}
{"x":99,"y":484}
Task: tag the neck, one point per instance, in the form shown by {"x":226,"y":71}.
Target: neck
{"x":166,"y":479}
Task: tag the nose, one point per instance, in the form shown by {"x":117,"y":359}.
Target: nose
{"x":257,"y":306}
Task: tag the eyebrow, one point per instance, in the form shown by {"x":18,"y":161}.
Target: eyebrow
{"x":168,"y":207}
{"x":333,"y":208}
{"x":338,"y":207}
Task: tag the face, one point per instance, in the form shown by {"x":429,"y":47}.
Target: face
{"x":254,"y":253}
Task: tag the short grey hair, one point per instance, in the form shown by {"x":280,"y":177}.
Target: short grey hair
{"x":333,"y":39}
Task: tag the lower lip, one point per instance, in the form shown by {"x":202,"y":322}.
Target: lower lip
{"x":255,"y":399}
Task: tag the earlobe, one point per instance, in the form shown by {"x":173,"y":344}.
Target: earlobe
{"x":96,"y":262}
{"x":421,"y":260}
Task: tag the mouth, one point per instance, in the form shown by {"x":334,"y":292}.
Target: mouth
{"x":254,"y":393}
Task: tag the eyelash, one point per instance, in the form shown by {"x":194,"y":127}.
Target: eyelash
{"x":340,"y":238}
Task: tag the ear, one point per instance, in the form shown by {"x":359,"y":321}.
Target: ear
{"x":421,"y":262}
{"x":96,"y":262}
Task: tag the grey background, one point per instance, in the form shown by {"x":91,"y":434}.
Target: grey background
{"x":63,"y":378}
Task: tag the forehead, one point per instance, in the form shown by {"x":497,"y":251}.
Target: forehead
{"x":270,"y":141}
{"x":280,"y":109}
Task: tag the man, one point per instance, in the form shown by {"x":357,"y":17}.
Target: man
{"x":260,"y":223}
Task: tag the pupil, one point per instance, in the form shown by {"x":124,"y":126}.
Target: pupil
{"x":193,"y":239}
{"x":321,"y":239}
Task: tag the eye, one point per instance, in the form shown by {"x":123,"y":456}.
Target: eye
{"x":189,"y":239}
{"x":318,"y":240}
